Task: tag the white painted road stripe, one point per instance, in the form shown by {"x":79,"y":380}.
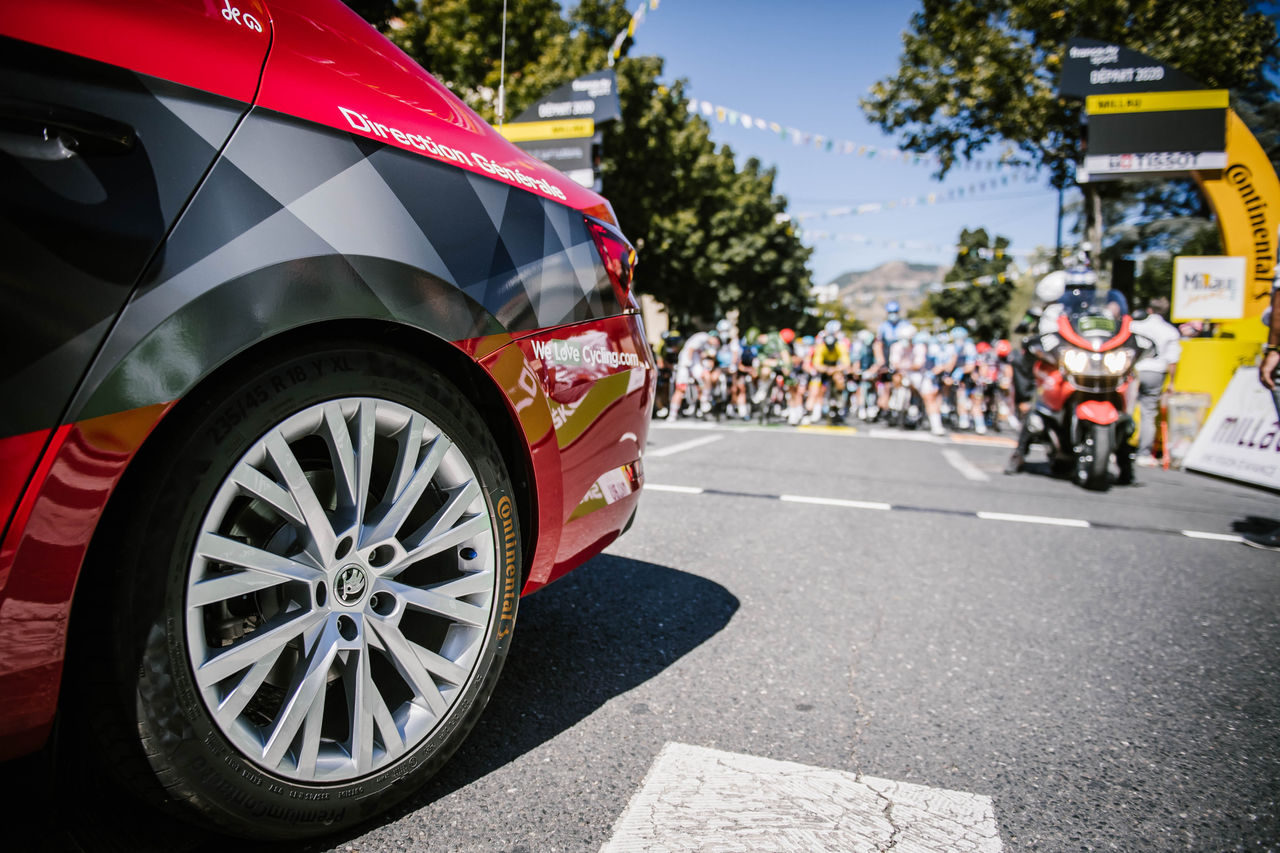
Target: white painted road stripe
{"x":1217,"y":537}
{"x":1034,"y":519}
{"x":683,"y":490}
{"x":799,"y":499}
{"x":970,"y":471}
{"x":684,"y":445}
{"x":696,"y":799}
{"x":987,"y":516}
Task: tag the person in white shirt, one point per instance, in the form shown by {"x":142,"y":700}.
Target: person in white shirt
{"x":1153,"y":370}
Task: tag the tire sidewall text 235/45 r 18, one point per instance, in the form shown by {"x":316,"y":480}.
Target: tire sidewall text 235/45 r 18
{"x":173,"y":497}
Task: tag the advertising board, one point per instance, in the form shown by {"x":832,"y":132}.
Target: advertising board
{"x":1208,"y":287}
{"x":1240,"y":439}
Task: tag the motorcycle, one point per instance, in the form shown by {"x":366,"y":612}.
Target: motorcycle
{"x":1084,"y":374}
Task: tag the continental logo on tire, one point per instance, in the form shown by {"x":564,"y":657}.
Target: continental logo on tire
{"x":506,"y":518}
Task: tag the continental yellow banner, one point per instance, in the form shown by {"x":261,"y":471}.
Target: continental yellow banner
{"x":534,"y":131}
{"x":1246,"y":199}
{"x":1157,"y":102}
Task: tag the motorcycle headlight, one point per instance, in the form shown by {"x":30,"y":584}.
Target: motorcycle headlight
{"x":1117,"y":361}
{"x":1075,"y":360}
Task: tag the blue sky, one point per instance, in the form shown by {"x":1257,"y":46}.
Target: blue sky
{"x":804,"y":64}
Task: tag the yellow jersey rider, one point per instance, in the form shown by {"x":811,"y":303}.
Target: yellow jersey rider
{"x":829,"y":362}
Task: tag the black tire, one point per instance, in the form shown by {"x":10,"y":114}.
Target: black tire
{"x":1092,"y":471}
{"x":184,"y":508}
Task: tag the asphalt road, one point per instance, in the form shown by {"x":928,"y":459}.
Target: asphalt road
{"x":1091,"y":675}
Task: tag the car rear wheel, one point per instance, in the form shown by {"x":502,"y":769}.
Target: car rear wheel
{"x":317,"y":583}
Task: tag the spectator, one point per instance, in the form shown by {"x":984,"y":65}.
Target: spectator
{"x":1158,"y":366}
{"x":1267,"y":375}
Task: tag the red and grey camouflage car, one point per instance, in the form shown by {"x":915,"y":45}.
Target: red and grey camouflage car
{"x":308,"y":376}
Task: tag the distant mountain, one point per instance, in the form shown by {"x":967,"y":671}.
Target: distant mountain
{"x":866,"y":292}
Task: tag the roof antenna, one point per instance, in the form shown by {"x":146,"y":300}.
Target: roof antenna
{"x":502,"y":70}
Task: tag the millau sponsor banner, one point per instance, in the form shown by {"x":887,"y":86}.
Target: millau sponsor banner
{"x":1241,"y":439}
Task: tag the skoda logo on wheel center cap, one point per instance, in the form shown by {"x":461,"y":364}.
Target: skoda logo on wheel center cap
{"x":350,"y":584}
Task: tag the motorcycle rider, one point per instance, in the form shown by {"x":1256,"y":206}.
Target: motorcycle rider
{"x":1074,"y":284}
{"x":1048,"y":291}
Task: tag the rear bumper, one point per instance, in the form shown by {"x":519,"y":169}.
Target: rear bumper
{"x":583,"y":395}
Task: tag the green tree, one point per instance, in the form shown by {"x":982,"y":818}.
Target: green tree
{"x":712,"y":236}
{"x":977,"y":72}
{"x":977,"y":290}
{"x":460,"y":42}
{"x":974,"y":73}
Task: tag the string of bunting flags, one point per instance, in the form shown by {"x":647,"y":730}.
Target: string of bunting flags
{"x":953,"y":194}
{"x":916,"y":245}
{"x":820,"y":142}
{"x":637,"y":18}
{"x":726,"y":115}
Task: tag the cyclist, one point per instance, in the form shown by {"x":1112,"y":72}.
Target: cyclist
{"x":666,"y":355}
{"x":964,"y":375}
{"x":923,"y":376}
{"x":801,"y":373}
{"x":830,"y":366}
{"x":745,"y":377}
{"x":896,"y":390}
{"x":862,"y":354}
{"x":691,"y":371}
{"x":891,"y":331}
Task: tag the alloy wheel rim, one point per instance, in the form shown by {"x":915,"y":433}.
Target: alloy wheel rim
{"x":341,"y":590}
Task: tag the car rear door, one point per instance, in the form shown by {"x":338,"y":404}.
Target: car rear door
{"x":110,"y":114}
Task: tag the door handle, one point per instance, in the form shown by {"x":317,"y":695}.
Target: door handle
{"x":35,"y":131}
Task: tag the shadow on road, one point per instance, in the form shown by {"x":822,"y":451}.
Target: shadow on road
{"x":609,"y":626}
{"x":1255,"y":524}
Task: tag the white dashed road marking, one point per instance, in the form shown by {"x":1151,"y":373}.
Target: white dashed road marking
{"x":985,"y":516}
{"x":970,"y":471}
{"x":683,"y":490}
{"x":800,"y":499}
{"x":684,"y":445}
{"x":1034,"y":519}
{"x":1217,"y":537}
{"x":696,"y":799}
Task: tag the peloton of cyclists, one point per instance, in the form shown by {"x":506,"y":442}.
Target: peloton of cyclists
{"x":899,"y":369}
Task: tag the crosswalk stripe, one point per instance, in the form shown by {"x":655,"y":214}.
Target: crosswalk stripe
{"x":697,"y":799}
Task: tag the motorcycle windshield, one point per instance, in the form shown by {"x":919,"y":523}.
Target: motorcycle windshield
{"x":1094,"y":313}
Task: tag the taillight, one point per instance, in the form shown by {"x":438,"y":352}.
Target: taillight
{"x":619,"y":258}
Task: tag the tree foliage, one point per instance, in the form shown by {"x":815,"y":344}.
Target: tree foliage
{"x":981,"y":286}
{"x":710,"y":234}
{"x":979,"y":72}
{"x":976,"y":72}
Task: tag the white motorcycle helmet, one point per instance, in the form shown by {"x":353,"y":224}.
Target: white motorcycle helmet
{"x":1050,"y":288}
